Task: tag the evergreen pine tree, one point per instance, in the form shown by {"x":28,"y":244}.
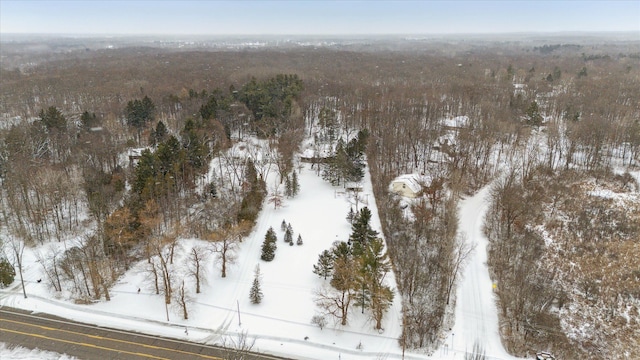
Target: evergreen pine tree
{"x":283,"y":225}
{"x":53,"y":119}
{"x":250,"y":173}
{"x":344,"y":271}
{"x":269,"y":245}
{"x":533,"y":114}
{"x":295,"y":185}
{"x":351,"y":216}
{"x":288,"y":190}
{"x":361,"y":232}
{"x":159,"y":134}
{"x":211,"y":190}
{"x":557,"y":73}
{"x":255,"y":294}
{"x":324,"y":267}
{"x":374,"y":266}
{"x":299,"y":242}
{"x":7,"y":273}
{"x":582,"y":72}
{"x":89,"y":120}
{"x":288,"y":235}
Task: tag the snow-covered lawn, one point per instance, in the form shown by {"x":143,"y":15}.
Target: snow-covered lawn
{"x":281,"y":323}
{"x":283,"y":319}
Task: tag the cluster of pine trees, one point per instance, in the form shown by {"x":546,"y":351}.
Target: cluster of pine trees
{"x":347,"y":163}
{"x":271,"y":101}
{"x":269,"y":245}
{"x":252,"y":201}
{"x":291,"y":185}
{"x":288,"y":233}
{"x":357,"y":269}
{"x":139,"y":113}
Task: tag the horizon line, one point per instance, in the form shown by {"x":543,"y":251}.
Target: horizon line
{"x":330,"y":34}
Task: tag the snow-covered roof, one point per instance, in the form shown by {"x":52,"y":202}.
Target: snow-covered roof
{"x":448,"y":138}
{"x":137,"y":151}
{"x":412,"y":181}
{"x":455,"y":122}
{"x":543,"y":355}
{"x":324,"y":152}
{"x":308,"y":153}
{"x":519,"y":88}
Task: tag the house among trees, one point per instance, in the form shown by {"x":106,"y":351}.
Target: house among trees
{"x":455,"y":123}
{"x":445,"y":147}
{"x":353,"y":186}
{"x":134,"y":155}
{"x":315,"y":157}
{"x":543,"y":355}
{"x":408,"y":185}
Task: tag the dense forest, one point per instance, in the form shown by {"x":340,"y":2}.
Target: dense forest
{"x":112,"y":145}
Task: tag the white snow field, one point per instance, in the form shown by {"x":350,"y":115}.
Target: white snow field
{"x":281,"y":323}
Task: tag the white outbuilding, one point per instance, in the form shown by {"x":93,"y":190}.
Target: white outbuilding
{"x":408,"y":185}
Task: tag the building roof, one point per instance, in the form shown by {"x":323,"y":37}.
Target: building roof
{"x":412,"y":181}
{"x":137,"y":152}
{"x":457,"y":122}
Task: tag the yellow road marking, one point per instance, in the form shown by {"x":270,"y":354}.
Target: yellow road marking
{"x":84,"y":344}
{"x":105,"y":338}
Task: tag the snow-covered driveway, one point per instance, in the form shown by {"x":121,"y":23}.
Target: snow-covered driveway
{"x":476,"y":311}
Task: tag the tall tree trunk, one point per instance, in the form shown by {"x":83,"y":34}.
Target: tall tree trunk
{"x":24,"y":291}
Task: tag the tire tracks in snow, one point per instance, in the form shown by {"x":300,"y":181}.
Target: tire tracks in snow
{"x":476,"y":313}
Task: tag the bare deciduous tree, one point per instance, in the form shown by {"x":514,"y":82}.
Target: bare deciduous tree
{"x":275,"y":197}
{"x":182,"y":300}
{"x":16,"y":248}
{"x":225,"y":243}
{"x":337,"y":300}
{"x":455,"y":266}
{"x":197,"y":256}
{"x":50,"y":264}
{"x":240,"y":345}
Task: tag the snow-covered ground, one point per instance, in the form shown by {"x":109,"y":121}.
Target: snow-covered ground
{"x":20,"y":353}
{"x":476,"y":310}
{"x":281,"y":323}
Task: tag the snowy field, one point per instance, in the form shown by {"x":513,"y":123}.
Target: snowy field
{"x":281,"y":324}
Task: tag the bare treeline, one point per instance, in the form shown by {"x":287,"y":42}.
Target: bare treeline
{"x":558,"y":246}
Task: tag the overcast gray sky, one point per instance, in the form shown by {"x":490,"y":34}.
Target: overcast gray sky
{"x":316,"y":17}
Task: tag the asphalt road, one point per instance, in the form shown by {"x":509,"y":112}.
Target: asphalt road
{"x":88,"y":342}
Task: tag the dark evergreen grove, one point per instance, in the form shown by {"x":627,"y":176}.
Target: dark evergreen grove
{"x":347,"y":163}
{"x":271,"y":99}
{"x":139,"y":113}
